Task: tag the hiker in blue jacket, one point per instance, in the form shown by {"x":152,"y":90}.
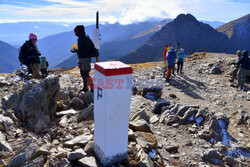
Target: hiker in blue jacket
{"x":180,"y":60}
{"x":171,"y":56}
{"x":244,"y":65}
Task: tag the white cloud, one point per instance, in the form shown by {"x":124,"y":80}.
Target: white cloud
{"x":125,"y":11}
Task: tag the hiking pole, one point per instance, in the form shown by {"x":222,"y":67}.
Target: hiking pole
{"x":97,"y":27}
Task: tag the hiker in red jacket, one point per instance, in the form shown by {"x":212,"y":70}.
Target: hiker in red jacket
{"x":166,"y":50}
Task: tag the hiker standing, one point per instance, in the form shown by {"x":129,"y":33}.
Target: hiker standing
{"x":29,"y":55}
{"x":180,"y":60}
{"x":166,"y":50}
{"x":176,"y":50}
{"x":234,"y":73}
{"x":171,"y":56}
{"x":84,"y":55}
{"x":43,"y":66}
{"x":244,"y":65}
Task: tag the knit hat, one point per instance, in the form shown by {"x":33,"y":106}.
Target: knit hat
{"x":238,"y":52}
{"x":32,"y":36}
{"x":79,"y":30}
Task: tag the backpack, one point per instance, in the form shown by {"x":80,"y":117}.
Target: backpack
{"x":248,"y":63}
{"x":21,"y":55}
{"x":93,"y":51}
{"x":43,"y":62}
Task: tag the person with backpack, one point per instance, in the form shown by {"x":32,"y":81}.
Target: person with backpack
{"x":166,"y":50}
{"x":171,"y":56}
{"x":85,"y":50}
{"x":180,"y":60}
{"x":244,"y":65}
{"x":44,"y":66}
{"x":236,"y":69}
{"x":29,"y":55}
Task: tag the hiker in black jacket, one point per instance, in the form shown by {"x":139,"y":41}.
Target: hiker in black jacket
{"x":244,"y":65}
{"x":29,"y":55}
{"x":84,"y":55}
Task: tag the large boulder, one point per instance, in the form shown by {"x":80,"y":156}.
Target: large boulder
{"x":35,"y":103}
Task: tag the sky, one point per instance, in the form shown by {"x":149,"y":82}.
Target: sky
{"x":122,"y":11}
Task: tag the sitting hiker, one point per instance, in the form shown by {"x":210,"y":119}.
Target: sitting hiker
{"x":244,"y":65}
{"x":29,"y":55}
{"x":43,"y":66}
{"x":234,"y":73}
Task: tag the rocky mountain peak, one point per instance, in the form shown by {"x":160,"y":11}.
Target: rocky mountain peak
{"x":184,"y":18}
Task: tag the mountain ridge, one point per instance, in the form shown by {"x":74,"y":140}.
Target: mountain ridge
{"x":187,"y":30}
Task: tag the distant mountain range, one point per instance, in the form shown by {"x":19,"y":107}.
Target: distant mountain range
{"x":193,"y":35}
{"x":116,"y":39}
{"x":17,"y":33}
{"x":238,"y":31}
{"x":133,"y":43}
{"x":110,"y":50}
{"x":9,"y":58}
{"x":213,"y":24}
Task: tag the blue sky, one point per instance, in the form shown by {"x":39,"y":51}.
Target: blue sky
{"x":123,"y":11}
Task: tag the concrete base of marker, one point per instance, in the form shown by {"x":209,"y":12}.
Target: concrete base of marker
{"x":109,"y":161}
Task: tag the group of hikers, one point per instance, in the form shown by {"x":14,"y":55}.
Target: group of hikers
{"x":242,"y":65}
{"x":170,"y":55}
{"x":37,"y":65}
{"x":30,"y":56}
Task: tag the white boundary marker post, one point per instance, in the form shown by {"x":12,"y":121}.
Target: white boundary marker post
{"x":112,"y":96}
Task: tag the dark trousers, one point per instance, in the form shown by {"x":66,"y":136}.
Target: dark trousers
{"x":87,"y":80}
{"x":29,"y":68}
{"x":173,"y":69}
{"x":44,"y":72}
{"x":180,"y":66}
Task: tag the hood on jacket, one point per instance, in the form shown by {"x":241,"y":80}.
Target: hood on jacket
{"x":79,"y":31}
{"x":244,"y":53}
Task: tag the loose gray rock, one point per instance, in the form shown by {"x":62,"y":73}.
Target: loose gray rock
{"x":139,"y":125}
{"x":89,"y":148}
{"x":67,"y":112}
{"x":78,"y":154}
{"x":86,"y":114}
{"x":63,"y":122}
{"x":213,"y":157}
{"x":4,"y":145}
{"x":140,"y":115}
{"x":6,"y":122}
{"x":77,"y":104}
{"x":81,"y":140}
{"x":21,"y":158}
{"x":88,"y":162}
{"x":38,"y":162}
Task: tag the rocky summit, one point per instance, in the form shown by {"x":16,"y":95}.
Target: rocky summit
{"x":198,"y":119}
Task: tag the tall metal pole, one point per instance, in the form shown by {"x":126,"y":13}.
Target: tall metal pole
{"x":97,"y":27}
